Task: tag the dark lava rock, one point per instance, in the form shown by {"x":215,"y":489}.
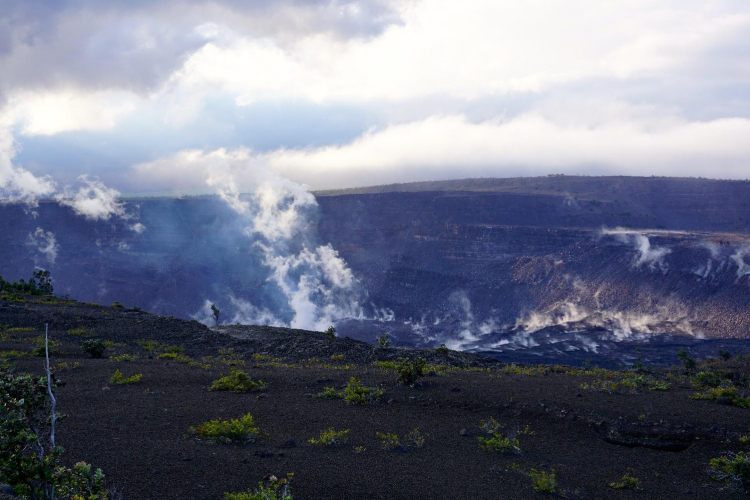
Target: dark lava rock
{"x":465,"y":432}
{"x":455,"y":389}
{"x":399,"y":449}
{"x":672,"y":438}
{"x":264,"y":453}
{"x":262,"y":396}
{"x":7,"y":489}
{"x":289,"y":443}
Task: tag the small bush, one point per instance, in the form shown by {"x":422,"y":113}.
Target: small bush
{"x":337,"y":357}
{"x":239,"y":430}
{"x":273,"y":489}
{"x":238,"y":382}
{"x":416,"y":438}
{"x":409,"y":371}
{"x":442,"y":349}
{"x":388,"y":440}
{"x":330,"y":333}
{"x":330,"y":438}
{"x":490,"y":426}
{"x":627,"y":482}
{"x":384,"y":341}
{"x":123,"y":357}
{"x":688,"y":362}
{"x":94,"y":348}
{"x":79,"y":332}
{"x":119,"y":379}
{"x":499,"y":443}
{"x":543,"y":481}
{"x":39,"y":349}
{"x":356,"y":393}
{"x":707,"y":379}
{"x":732,"y":468}
{"x":729,"y":394}
{"x":329,"y":393}
{"x":117,"y":305}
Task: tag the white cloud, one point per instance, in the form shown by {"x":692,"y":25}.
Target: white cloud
{"x":16,"y":183}
{"x":451,"y":146}
{"x":49,"y":113}
{"x":472,"y":49}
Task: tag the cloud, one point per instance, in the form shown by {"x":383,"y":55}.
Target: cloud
{"x":16,"y":183}
{"x":93,"y":200}
{"x":452,"y":146}
{"x":45,"y":243}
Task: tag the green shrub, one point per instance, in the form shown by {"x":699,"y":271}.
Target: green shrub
{"x":329,"y":393}
{"x":123,"y":357}
{"x":416,"y":438}
{"x":442,"y":350}
{"x":330,"y":333}
{"x":28,"y":461}
{"x":707,"y":379}
{"x":39,"y":347}
{"x":117,"y":305}
{"x":732,"y":468}
{"x":239,"y":430}
{"x":94,"y":348}
{"x":330,"y":438}
{"x":119,"y":379}
{"x":238,"y":382}
{"x":273,"y":489}
{"x":543,"y":481}
{"x":79,"y":332}
{"x":81,"y":482}
{"x":409,"y":371}
{"x":500,"y":443}
{"x":356,"y":393}
{"x":627,"y":482}
{"x":384,"y":341}
{"x":688,"y":362}
{"x":729,"y":394}
{"x":388,"y":440}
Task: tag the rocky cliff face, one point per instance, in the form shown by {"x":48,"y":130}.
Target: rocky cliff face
{"x":554,"y":264}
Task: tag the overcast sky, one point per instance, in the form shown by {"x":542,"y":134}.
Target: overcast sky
{"x":159,"y":96}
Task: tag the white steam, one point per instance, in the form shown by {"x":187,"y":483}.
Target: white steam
{"x":316,"y":283}
{"x":93,"y":200}
{"x":621,"y":325}
{"x":743,"y":268}
{"x":45,"y":243}
{"x":647,"y":254}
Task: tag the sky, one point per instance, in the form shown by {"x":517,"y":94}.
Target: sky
{"x":154,"y":97}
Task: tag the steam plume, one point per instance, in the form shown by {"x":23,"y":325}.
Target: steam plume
{"x":45,"y":243}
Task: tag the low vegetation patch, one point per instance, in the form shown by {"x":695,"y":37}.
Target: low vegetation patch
{"x":732,"y":468}
{"x":388,"y":440}
{"x":329,"y":393}
{"x":356,"y":393}
{"x":727,"y":394}
{"x":123,"y":357}
{"x":331,"y":438}
{"x":496,"y":441}
{"x":238,"y":430}
{"x":119,"y":379}
{"x":273,"y":489}
{"x":626,"y":482}
{"x":93,"y":347}
{"x":238,"y":382}
{"x":543,"y":481}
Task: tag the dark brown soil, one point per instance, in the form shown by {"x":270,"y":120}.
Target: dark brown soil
{"x":138,"y":434}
